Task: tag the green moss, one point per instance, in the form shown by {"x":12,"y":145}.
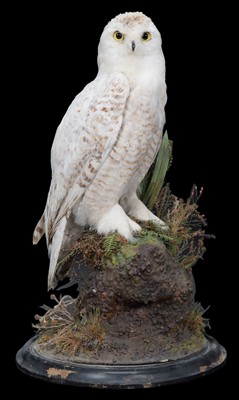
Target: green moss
{"x":129,"y":250}
{"x":192,"y":345}
{"x":126,"y":252}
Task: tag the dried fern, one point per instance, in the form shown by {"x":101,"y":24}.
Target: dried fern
{"x":90,"y":246}
{"x":94,"y":248}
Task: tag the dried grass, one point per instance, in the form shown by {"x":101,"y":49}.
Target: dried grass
{"x":194,"y":321}
{"x":67,"y":330}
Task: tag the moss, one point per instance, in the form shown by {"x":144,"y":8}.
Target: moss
{"x":191,"y":345}
{"x":126,"y":252}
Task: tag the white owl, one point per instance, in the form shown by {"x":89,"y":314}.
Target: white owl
{"x":107,"y":140}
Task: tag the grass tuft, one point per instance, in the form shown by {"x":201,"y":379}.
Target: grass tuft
{"x":67,"y":330}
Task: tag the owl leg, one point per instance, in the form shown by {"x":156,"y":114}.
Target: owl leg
{"x":115,"y":220}
{"x":137,"y":209}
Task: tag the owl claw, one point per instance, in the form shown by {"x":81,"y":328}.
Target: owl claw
{"x":164,"y":227}
{"x":115,"y":220}
{"x":138,"y":210}
{"x":160,"y":223}
{"x":133,"y":225}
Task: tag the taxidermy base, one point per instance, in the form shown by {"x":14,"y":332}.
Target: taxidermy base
{"x":115,"y":376}
{"x":134,"y":323}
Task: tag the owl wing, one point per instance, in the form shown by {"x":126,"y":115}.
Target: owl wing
{"x":82,"y":143}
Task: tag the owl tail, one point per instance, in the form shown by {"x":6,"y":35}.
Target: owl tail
{"x":54,"y":250}
{"x":39,"y":230}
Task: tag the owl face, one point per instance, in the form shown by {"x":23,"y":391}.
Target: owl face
{"x":128,"y":39}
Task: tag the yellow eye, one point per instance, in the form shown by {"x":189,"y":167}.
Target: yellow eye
{"x":118,"y":36}
{"x":146,"y":36}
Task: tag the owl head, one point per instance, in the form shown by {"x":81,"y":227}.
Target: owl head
{"x":128,"y":40}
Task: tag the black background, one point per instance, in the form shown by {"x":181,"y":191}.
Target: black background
{"x":53,"y":55}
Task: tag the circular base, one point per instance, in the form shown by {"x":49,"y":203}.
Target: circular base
{"x":120,"y":376}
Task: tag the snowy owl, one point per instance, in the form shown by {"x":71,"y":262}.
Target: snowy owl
{"x":107,"y":140}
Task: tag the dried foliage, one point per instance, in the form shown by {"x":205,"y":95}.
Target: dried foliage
{"x":96,"y":250}
{"x":165,"y":203}
{"x":194,"y":321}
{"x":67,"y":330}
{"x":186,"y":225}
{"x":90,"y":245}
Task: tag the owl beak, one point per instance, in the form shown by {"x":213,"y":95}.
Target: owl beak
{"x":133,"y":45}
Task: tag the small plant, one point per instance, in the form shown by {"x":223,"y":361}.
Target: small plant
{"x":66,"y":330}
{"x":186,"y":235}
{"x":194,"y":321}
{"x":95,"y":249}
{"x":90,"y":245}
{"x":112,"y":245}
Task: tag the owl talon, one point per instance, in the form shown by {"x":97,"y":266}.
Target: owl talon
{"x":115,"y":220}
{"x":161,"y":224}
{"x":138,"y":210}
{"x":133,"y":225}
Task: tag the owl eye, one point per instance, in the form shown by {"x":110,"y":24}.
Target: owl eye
{"x":118,"y":36}
{"x":146,"y":36}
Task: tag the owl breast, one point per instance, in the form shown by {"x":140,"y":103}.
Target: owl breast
{"x":133,"y":153}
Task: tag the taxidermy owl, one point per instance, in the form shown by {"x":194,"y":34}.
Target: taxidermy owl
{"x":107,"y":140}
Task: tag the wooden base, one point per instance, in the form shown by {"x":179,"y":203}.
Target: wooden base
{"x":115,"y":376}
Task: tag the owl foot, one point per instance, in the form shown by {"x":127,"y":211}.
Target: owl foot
{"x":137,"y":209}
{"x":160,"y":223}
{"x":115,"y":220}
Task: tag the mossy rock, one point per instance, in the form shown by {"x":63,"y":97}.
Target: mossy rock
{"x":145,"y":305}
